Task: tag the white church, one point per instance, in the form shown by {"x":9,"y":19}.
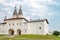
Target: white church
{"x":19,"y":25}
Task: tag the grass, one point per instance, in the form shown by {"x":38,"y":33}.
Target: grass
{"x":2,"y":34}
{"x":38,"y":37}
{"x":31,"y":37}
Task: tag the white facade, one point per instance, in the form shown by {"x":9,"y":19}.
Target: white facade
{"x":19,"y":25}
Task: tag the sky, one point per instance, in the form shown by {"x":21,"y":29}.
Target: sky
{"x":34,"y":9}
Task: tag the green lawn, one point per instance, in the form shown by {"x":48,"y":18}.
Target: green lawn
{"x":31,"y":37}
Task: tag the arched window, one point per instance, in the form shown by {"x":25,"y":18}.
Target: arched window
{"x":20,"y":23}
{"x":13,"y":24}
{"x":39,"y":27}
{"x":41,"y":23}
{"x":17,"y":23}
{"x":9,"y":24}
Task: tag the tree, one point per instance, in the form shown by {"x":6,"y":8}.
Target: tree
{"x":57,"y":33}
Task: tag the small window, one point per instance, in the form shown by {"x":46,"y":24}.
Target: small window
{"x":39,"y":27}
{"x":41,"y":23}
{"x":9,"y":24}
{"x":13,"y":24}
{"x":17,"y":23}
{"x":20,"y":23}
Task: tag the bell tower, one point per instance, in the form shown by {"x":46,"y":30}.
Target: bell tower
{"x":20,"y":14}
{"x":15,"y":13}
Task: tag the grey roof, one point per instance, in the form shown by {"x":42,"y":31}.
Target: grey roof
{"x":3,"y":23}
{"x":16,"y":19}
{"x":15,"y":11}
{"x":20,"y":11}
{"x":39,"y":20}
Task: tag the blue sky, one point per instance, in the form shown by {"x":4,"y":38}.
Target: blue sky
{"x":34,"y":9}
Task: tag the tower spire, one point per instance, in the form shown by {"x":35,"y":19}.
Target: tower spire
{"x":15,"y":12}
{"x":20,"y":11}
{"x":20,"y":14}
{"x":5,"y":18}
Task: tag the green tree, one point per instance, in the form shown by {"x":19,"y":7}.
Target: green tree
{"x":57,"y":33}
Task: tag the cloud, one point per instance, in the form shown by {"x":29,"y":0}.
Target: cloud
{"x":32,"y":8}
{"x":40,"y":7}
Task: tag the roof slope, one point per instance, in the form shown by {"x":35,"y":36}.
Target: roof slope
{"x":40,"y":20}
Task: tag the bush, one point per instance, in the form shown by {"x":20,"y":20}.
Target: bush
{"x":57,"y":33}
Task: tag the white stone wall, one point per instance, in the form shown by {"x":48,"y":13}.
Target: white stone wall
{"x":46,"y":27}
{"x":15,"y":27}
{"x":6,"y":27}
{"x":25,"y":27}
{"x":34,"y":28}
{"x":3,"y":29}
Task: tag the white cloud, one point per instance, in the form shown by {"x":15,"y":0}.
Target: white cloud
{"x":39,"y":6}
{"x":42,"y":8}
